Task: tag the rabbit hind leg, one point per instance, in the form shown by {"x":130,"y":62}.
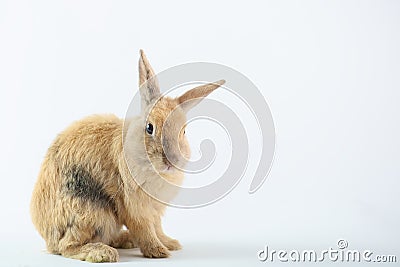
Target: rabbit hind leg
{"x":91,"y":252}
{"x":88,"y":242}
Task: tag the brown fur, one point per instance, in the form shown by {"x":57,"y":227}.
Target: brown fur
{"x":85,"y":192}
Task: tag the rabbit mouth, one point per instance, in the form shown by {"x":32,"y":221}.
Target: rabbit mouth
{"x":168,"y":168}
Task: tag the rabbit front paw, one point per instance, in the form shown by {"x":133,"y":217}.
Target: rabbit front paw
{"x":124,"y":240}
{"x":171,"y":244}
{"x":155,"y":251}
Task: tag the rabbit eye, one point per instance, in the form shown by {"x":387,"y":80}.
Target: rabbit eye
{"x":149,"y":128}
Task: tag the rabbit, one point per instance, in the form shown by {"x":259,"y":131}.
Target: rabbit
{"x":86,"y":202}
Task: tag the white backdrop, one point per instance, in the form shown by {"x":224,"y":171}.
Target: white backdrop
{"x":330,"y":72}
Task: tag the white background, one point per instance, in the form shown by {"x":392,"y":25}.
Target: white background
{"x":330,"y":72}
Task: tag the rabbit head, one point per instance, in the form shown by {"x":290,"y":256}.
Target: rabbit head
{"x":157,"y":138}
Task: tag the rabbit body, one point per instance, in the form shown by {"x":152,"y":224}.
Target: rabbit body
{"x":85,"y":192}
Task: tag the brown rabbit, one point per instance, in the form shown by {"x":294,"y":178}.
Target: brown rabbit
{"x":85,"y":191}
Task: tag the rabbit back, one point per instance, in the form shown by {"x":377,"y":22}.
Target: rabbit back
{"x":76,"y":195}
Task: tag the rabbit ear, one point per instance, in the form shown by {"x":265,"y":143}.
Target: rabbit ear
{"x":192,"y":97}
{"x":148,"y":83}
